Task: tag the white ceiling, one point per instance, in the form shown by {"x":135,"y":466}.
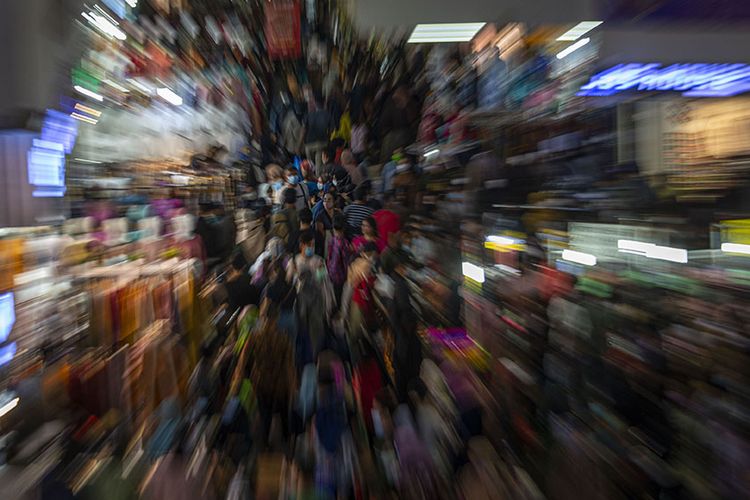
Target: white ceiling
{"x":402,"y":15}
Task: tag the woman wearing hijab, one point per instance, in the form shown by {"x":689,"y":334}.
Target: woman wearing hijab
{"x":323,"y":219}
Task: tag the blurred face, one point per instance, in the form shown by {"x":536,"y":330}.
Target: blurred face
{"x":367,"y":228}
{"x":328,"y":201}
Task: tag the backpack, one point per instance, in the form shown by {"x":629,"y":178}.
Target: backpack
{"x":281,"y":227}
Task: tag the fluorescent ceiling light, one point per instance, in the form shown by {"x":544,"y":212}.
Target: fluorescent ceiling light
{"x":169,"y":96}
{"x":431,"y":152}
{"x":507,"y":269}
{"x":678,"y":255}
{"x":141,"y":86}
{"x":88,"y":93}
{"x":501,"y":240}
{"x":572,"y":48}
{"x":84,"y":118}
{"x":106,"y":16}
{"x":116,"y":86}
{"x":90,"y":111}
{"x":448,"y":32}
{"x":8,"y":406}
{"x":735,"y":248}
{"x":579,"y":257}
{"x":653,"y":251}
{"x":83,"y":160}
{"x":132,"y":3}
{"x":473,"y":272}
{"x":630,"y":246}
{"x":578,"y":31}
{"x":106,"y":25}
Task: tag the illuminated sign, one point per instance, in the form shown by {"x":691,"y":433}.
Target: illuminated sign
{"x":7,"y":315}
{"x":46,"y":158}
{"x":692,"y":80}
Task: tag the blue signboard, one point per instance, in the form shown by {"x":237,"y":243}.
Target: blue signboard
{"x":692,"y":80}
{"x":7,"y":315}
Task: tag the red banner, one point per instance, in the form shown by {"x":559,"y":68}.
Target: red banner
{"x":283,"y":29}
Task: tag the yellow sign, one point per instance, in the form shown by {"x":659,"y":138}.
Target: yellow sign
{"x":735,"y":231}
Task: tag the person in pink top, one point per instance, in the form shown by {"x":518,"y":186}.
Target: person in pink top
{"x":369,"y":233}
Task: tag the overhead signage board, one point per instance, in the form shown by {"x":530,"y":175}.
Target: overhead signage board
{"x":692,"y":80}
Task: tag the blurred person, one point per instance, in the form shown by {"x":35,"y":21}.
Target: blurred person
{"x":285,"y":222}
{"x":438,"y":434}
{"x":359,"y":138}
{"x":357,"y":173}
{"x":367,"y":380}
{"x":408,"y":347}
{"x":218,"y":232}
{"x":387,"y":220}
{"x":338,"y":256}
{"x":383,"y":407}
{"x":372,"y":201}
{"x":280,"y":296}
{"x":293,"y":132}
{"x":331,"y":423}
{"x":309,"y":178}
{"x":272,"y":150}
{"x":389,"y":171}
{"x":484,"y":476}
{"x":270,"y":367}
{"x":293,"y":181}
{"x":260,"y":269}
{"x":315,"y":300}
{"x":399,"y":118}
{"x":257,"y":234}
{"x":240,"y":291}
{"x":327,"y":167}
{"x":317,"y":129}
{"x":306,"y":224}
{"x":344,"y":130}
{"x":361,"y":281}
{"x":369,"y":234}
{"x":274,"y":183}
{"x":357,"y":212}
{"x":416,"y":467}
{"x":322,"y":186}
{"x":324,"y":218}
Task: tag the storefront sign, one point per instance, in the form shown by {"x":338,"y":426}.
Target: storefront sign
{"x":692,"y":80}
{"x":282,"y":29}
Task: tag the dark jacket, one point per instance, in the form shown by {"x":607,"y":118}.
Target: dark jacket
{"x":318,"y":126}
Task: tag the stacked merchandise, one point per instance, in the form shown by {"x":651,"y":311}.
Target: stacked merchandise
{"x":619,"y":378}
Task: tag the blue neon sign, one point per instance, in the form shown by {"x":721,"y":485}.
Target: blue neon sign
{"x":692,"y":80}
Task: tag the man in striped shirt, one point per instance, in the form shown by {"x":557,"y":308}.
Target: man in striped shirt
{"x":357,"y":212}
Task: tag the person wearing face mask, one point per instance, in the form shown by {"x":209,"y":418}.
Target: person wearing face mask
{"x":270,"y":190}
{"x":292,"y":181}
{"x":309,"y":180}
{"x":315,"y":300}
